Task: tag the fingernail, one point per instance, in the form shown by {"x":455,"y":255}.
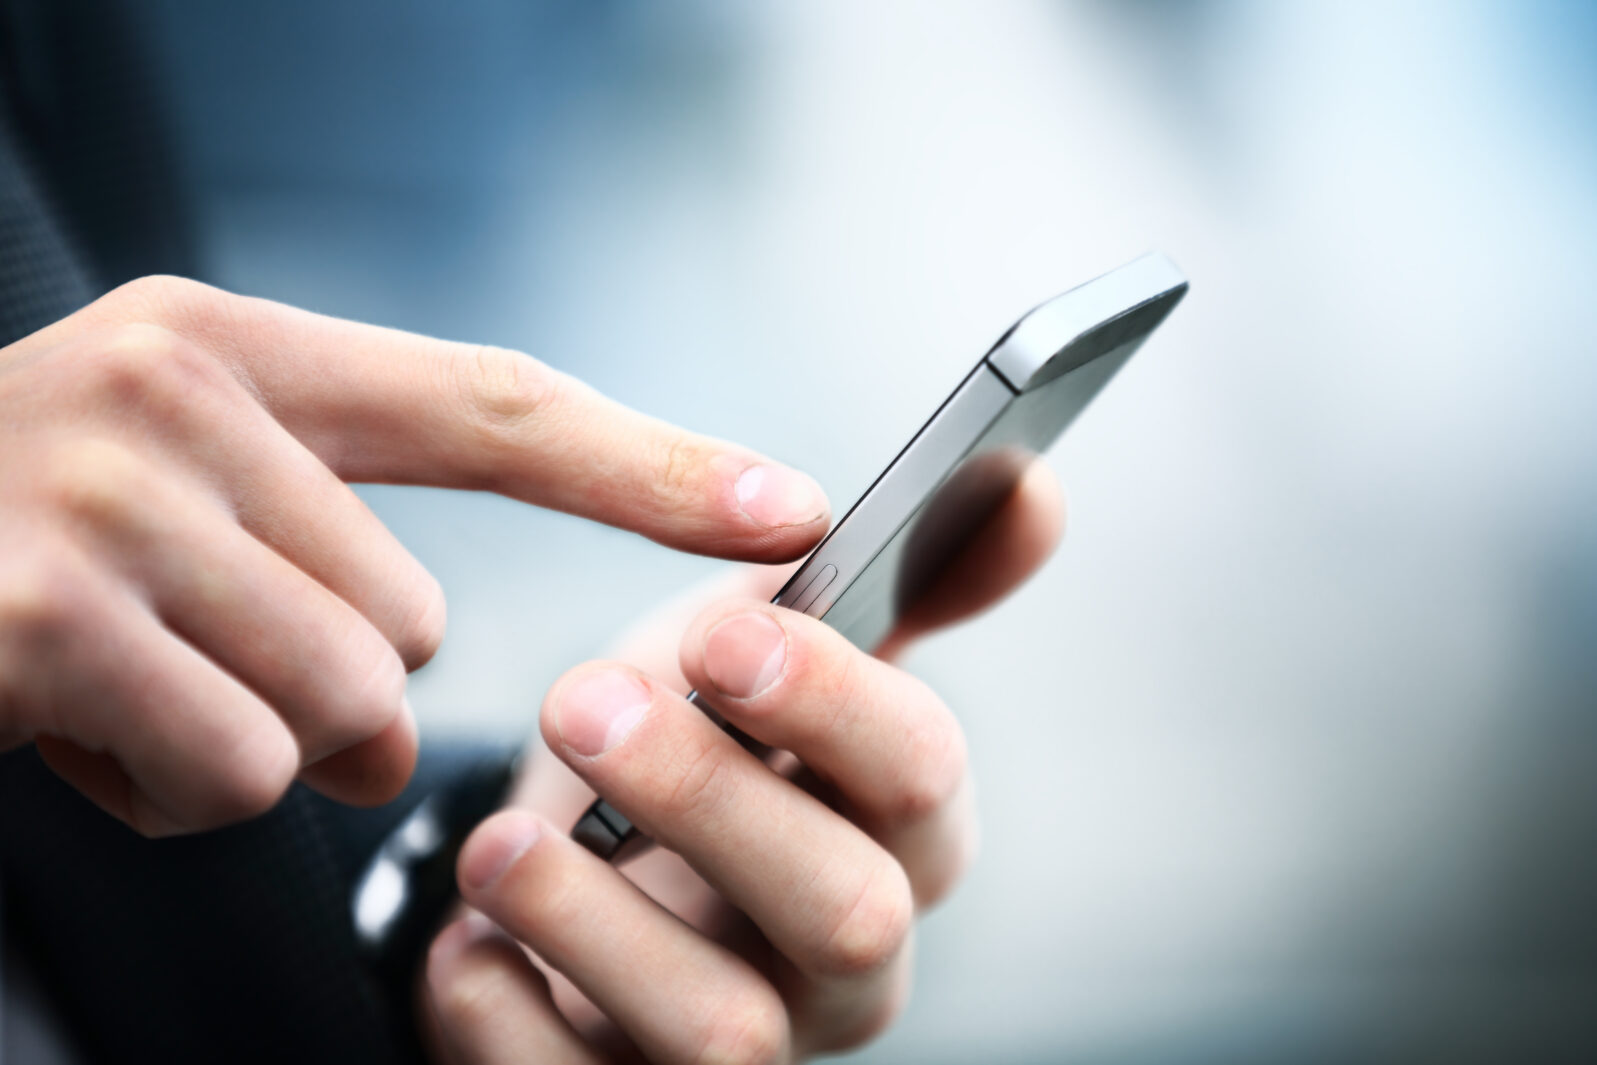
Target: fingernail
{"x":744,"y":654}
{"x":453,"y":941}
{"x":776,"y":496}
{"x":490,"y":851}
{"x":150,"y":820}
{"x":597,"y":711}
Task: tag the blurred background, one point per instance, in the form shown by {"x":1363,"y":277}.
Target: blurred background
{"x":1291,"y":754}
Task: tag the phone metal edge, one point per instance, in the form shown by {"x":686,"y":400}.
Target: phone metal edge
{"x":950,"y":434}
{"x":1019,"y":356}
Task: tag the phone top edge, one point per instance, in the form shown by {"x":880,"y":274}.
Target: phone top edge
{"x":1056,"y":338}
{"x":1024,"y":352}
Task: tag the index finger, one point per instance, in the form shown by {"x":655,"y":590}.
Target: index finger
{"x":381,"y":405}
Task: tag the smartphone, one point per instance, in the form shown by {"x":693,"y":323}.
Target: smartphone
{"x":956,"y":471}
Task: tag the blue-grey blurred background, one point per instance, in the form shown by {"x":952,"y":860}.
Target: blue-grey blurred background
{"x":1291,"y":754}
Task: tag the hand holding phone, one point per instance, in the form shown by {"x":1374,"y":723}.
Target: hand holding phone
{"x":778,"y":920}
{"x":956,"y":471}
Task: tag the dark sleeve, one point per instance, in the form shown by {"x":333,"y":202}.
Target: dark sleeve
{"x":91,"y":193}
{"x":235,"y":946}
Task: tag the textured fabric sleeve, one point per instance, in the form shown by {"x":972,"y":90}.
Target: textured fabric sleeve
{"x":232,"y":946}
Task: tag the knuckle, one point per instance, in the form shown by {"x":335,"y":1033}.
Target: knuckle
{"x":848,"y":691}
{"x":875,"y":1017}
{"x":257,"y":782}
{"x":149,"y":289}
{"x":751,"y":1030}
{"x":375,"y":697}
{"x":935,"y":882}
{"x":544,"y":904}
{"x":422,"y":632}
{"x":698,"y":783}
{"x":40,"y":599}
{"x":936,"y":762}
{"x":501,"y":389}
{"x":151,"y":369}
{"x":97,"y":481}
{"x":873,"y":929}
{"x":679,"y":466}
{"x":150,"y":823}
{"x":470,"y":994}
{"x":30,"y":600}
{"x":161,"y":297}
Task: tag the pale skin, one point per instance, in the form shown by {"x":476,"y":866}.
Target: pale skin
{"x":195,"y":611}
